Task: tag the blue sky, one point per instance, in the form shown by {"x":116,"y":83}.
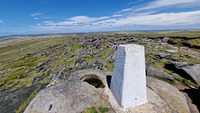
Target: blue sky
{"x":66,"y":16}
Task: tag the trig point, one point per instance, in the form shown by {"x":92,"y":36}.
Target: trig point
{"x":128,"y":83}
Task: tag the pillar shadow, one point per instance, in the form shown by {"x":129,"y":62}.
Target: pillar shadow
{"x":108,"y":79}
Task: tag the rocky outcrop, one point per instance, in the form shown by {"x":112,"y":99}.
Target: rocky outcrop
{"x":87,"y":88}
{"x":175,"y":100}
{"x":68,"y":97}
{"x":194,"y":72}
{"x":165,"y":39}
{"x":72,"y":96}
{"x":186,"y":70}
{"x":158,"y":73}
{"x":162,"y":98}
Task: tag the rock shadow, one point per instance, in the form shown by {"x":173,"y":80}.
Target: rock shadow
{"x":108,"y":79}
{"x":181,"y":72}
{"x":194,"y":95}
{"x":93,"y":80}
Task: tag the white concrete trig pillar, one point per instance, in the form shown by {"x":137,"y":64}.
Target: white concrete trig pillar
{"x":128,"y":83}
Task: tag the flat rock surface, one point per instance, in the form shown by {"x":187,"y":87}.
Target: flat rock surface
{"x":162,"y":98}
{"x":173,"y":97}
{"x":74,"y":96}
{"x":71,"y":96}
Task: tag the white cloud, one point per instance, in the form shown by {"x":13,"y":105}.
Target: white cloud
{"x":155,"y":5}
{"x":124,"y":10}
{"x":36,"y":18}
{"x":2,"y":22}
{"x":165,"y":3}
{"x":146,"y":17}
{"x":116,"y":15}
{"x":36,"y":14}
{"x":163,"y":19}
{"x":78,"y":21}
{"x":48,"y":22}
{"x":86,"y":18}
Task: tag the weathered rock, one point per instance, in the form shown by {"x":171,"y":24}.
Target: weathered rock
{"x":96,"y":64}
{"x":146,"y":40}
{"x":37,"y":78}
{"x":162,"y":98}
{"x":132,"y":40}
{"x":78,"y":62}
{"x":172,"y":50}
{"x":193,"y":108}
{"x":84,"y":65}
{"x":189,"y":52}
{"x":164,"y":55}
{"x":193,"y":71}
{"x":158,"y":73}
{"x":75,"y":95}
{"x":179,"y":65}
{"x":165,"y":39}
{"x":71,"y":96}
{"x":111,"y":57}
{"x":175,"y":58}
{"x":186,"y":70}
{"x":40,"y":65}
{"x":110,"y":45}
{"x":21,"y":76}
{"x":176,"y":100}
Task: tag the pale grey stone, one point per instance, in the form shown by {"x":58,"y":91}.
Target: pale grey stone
{"x":158,"y":73}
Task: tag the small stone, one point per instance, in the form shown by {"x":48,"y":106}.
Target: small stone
{"x":164,"y":55}
{"x":165,"y":39}
{"x":172,"y":50}
{"x":21,"y":76}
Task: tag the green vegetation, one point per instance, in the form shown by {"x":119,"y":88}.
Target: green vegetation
{"x":103,"y":109}
{"x":194,"y":42}
{"x":186,"y":34}
{"x":100,"y":109}
{"x":89,"y":59}
{"x":187,"y":82}
{"x":10,"y":51}
{"x":91,"y":110}
{"x":76,"y":46}
{"x":109,"y":66}
{"x":106,"y":53}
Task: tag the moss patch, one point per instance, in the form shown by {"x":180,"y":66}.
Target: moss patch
{"x":99,"y":109}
